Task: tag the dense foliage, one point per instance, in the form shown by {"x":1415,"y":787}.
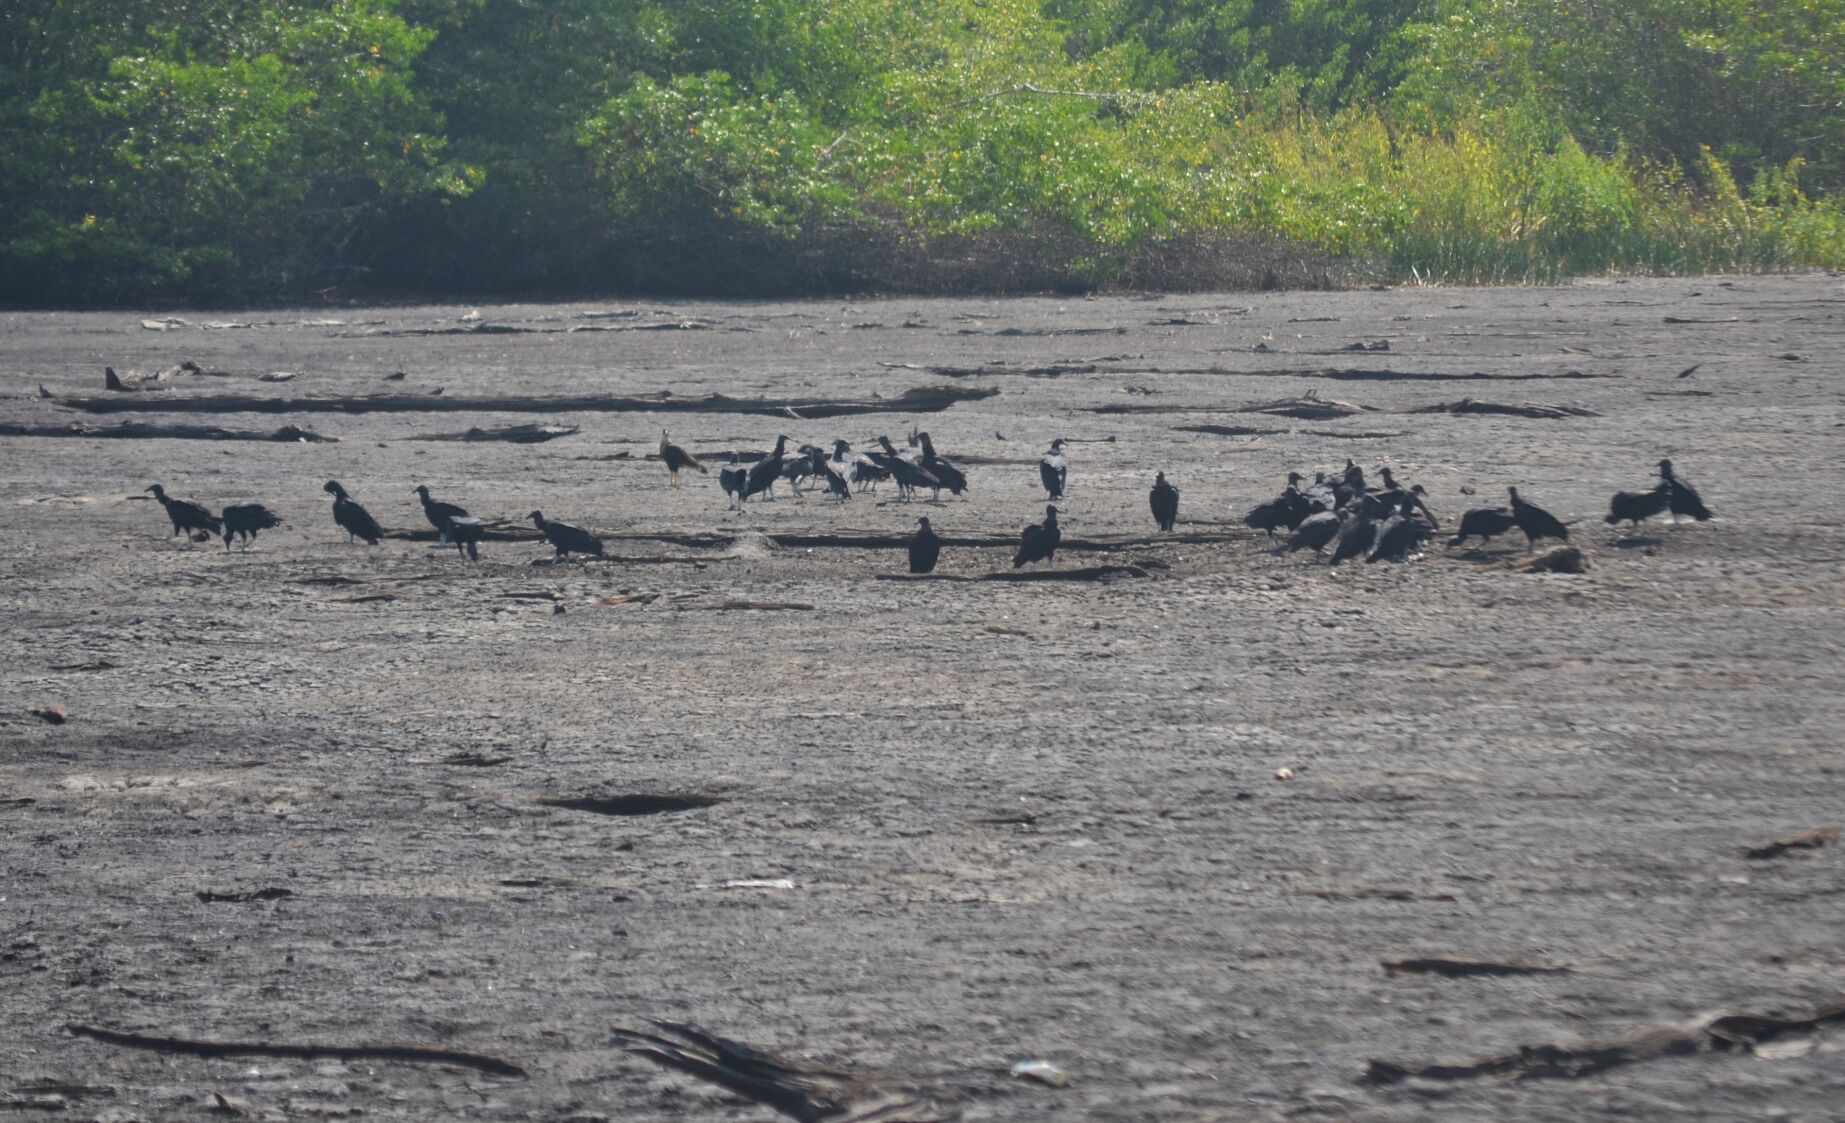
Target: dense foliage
{"x":265,"y":149}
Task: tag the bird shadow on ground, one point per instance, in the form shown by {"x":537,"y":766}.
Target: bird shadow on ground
{"x":1634,"y":542}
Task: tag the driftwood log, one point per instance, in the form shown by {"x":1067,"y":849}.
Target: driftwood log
{"x":921,"y":399}
{"x":144,"y":430}
{"x":514,"y":434}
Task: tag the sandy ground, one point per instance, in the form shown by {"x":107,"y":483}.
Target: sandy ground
{"x":996,"y":823}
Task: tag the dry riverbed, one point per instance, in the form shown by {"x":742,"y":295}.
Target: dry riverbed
{"x":329,"y":795}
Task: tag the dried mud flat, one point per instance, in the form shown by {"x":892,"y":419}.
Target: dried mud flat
{"x":328,"y":795}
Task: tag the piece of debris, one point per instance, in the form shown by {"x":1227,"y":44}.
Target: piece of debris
{"x":87,"y":665}
{"x":1044,"y":1072}
{"x":629,"y":598}
{"x":1771,"y":1036}
{"x":800,"y":1091}
{"x":200,"y":1048}
{"x":1687,"y":372}
{"x":1464,"y":968}
{"x":51,"y":715}
{"x":1807,"y":840}
{"x":1374,"y":893}
{"x":269,"y":894}
{"x":748,"y":606}
{"x":1002,"y":630}
{"x":113,"y":382}
{"x":474,"y":760}
{"x":759,"y":883}
{"x":223,"y":1105}
{"x":1368,"y":345}
{"x":1540,"y":412}
{"x":530,"y":434}
{"x":1284,"y":773}
{"x":1563,"y":559}
{"x":278,"y":376}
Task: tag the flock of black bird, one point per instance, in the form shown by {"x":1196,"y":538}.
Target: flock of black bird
{"x":1339,"y":518}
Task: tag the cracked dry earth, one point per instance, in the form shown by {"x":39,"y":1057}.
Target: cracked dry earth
{"x":940,"y":827}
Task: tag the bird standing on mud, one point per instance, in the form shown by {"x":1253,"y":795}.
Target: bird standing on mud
{"x":1164,"y":499}
{"x":1535,"y":521}
{"x":1054,"y":470}
{"x":246,"y":519}
{"x":1040,"y":541}
{"x":1634,"y":508}
{"x":187,"y":516}
{"x":565,"y":538}
{"x":946,"y":474}
{"x":763,"y":474}
{"x":925,"y":547}
{"x":1484,"y":523}
{"x":734,"y":478}
{"x":355,"y":520}
{"x":1681,"y":497}
{"x":439,"y":514}
{"x":677,"y":459}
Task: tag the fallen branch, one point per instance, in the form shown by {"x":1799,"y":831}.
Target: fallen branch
{"x":1730,"y":1033}
{"x":514,"y":434}
{"x":1089,"y":573}
{"x":1809,"y":840}
{"x":415,"y":1054}
{"x":920,"y":399}
{"x":1469,"y":405}
{"x":1465,"y":968}
{"x":143,"y":430}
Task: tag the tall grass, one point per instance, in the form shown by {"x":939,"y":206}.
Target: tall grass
{"x":1505,"y":201}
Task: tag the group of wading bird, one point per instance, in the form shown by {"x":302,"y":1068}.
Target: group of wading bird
{"x":1343,"y":511}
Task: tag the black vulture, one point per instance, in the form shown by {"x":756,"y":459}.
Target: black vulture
{"x":1314,"y":532}
{"x":763,"y":474}
{"x":1635,"y":508}
{"x":1682,"y":498}
{"x":465,"y":533}
{"x":1354,"y":476}
{"x":733,"y":478}
{"x":908,"y":474}
{"x":1286,"y":510}
{"x":1484,"y":523}
{"x":835,"y":483}
{"x":246,"y":519}
{"x":1411,"y":502}
{"x":855,"y":467}
{"x":677,"y":459}
{"x":1039,"y":542}
{"x":1164,"y":499}
{"x":1357,"y":535}
{"x":1535,"y":521}
{"x":1321,"y":495}
{"x":1398,"y":534}
{"x":951,"y":477}
{"x":1054,"y":470}
{"x":187,"y":516}
{"x":925,"y":547}
{"x":355,"y":520}
{"x":439,"y":514}
{"x":803,"y":465}
{"x":565,"y":538}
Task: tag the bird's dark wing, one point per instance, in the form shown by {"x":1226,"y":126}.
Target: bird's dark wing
{"x":357,"y":520}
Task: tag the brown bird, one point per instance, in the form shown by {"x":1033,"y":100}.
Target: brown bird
{"x":676,"y":459}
